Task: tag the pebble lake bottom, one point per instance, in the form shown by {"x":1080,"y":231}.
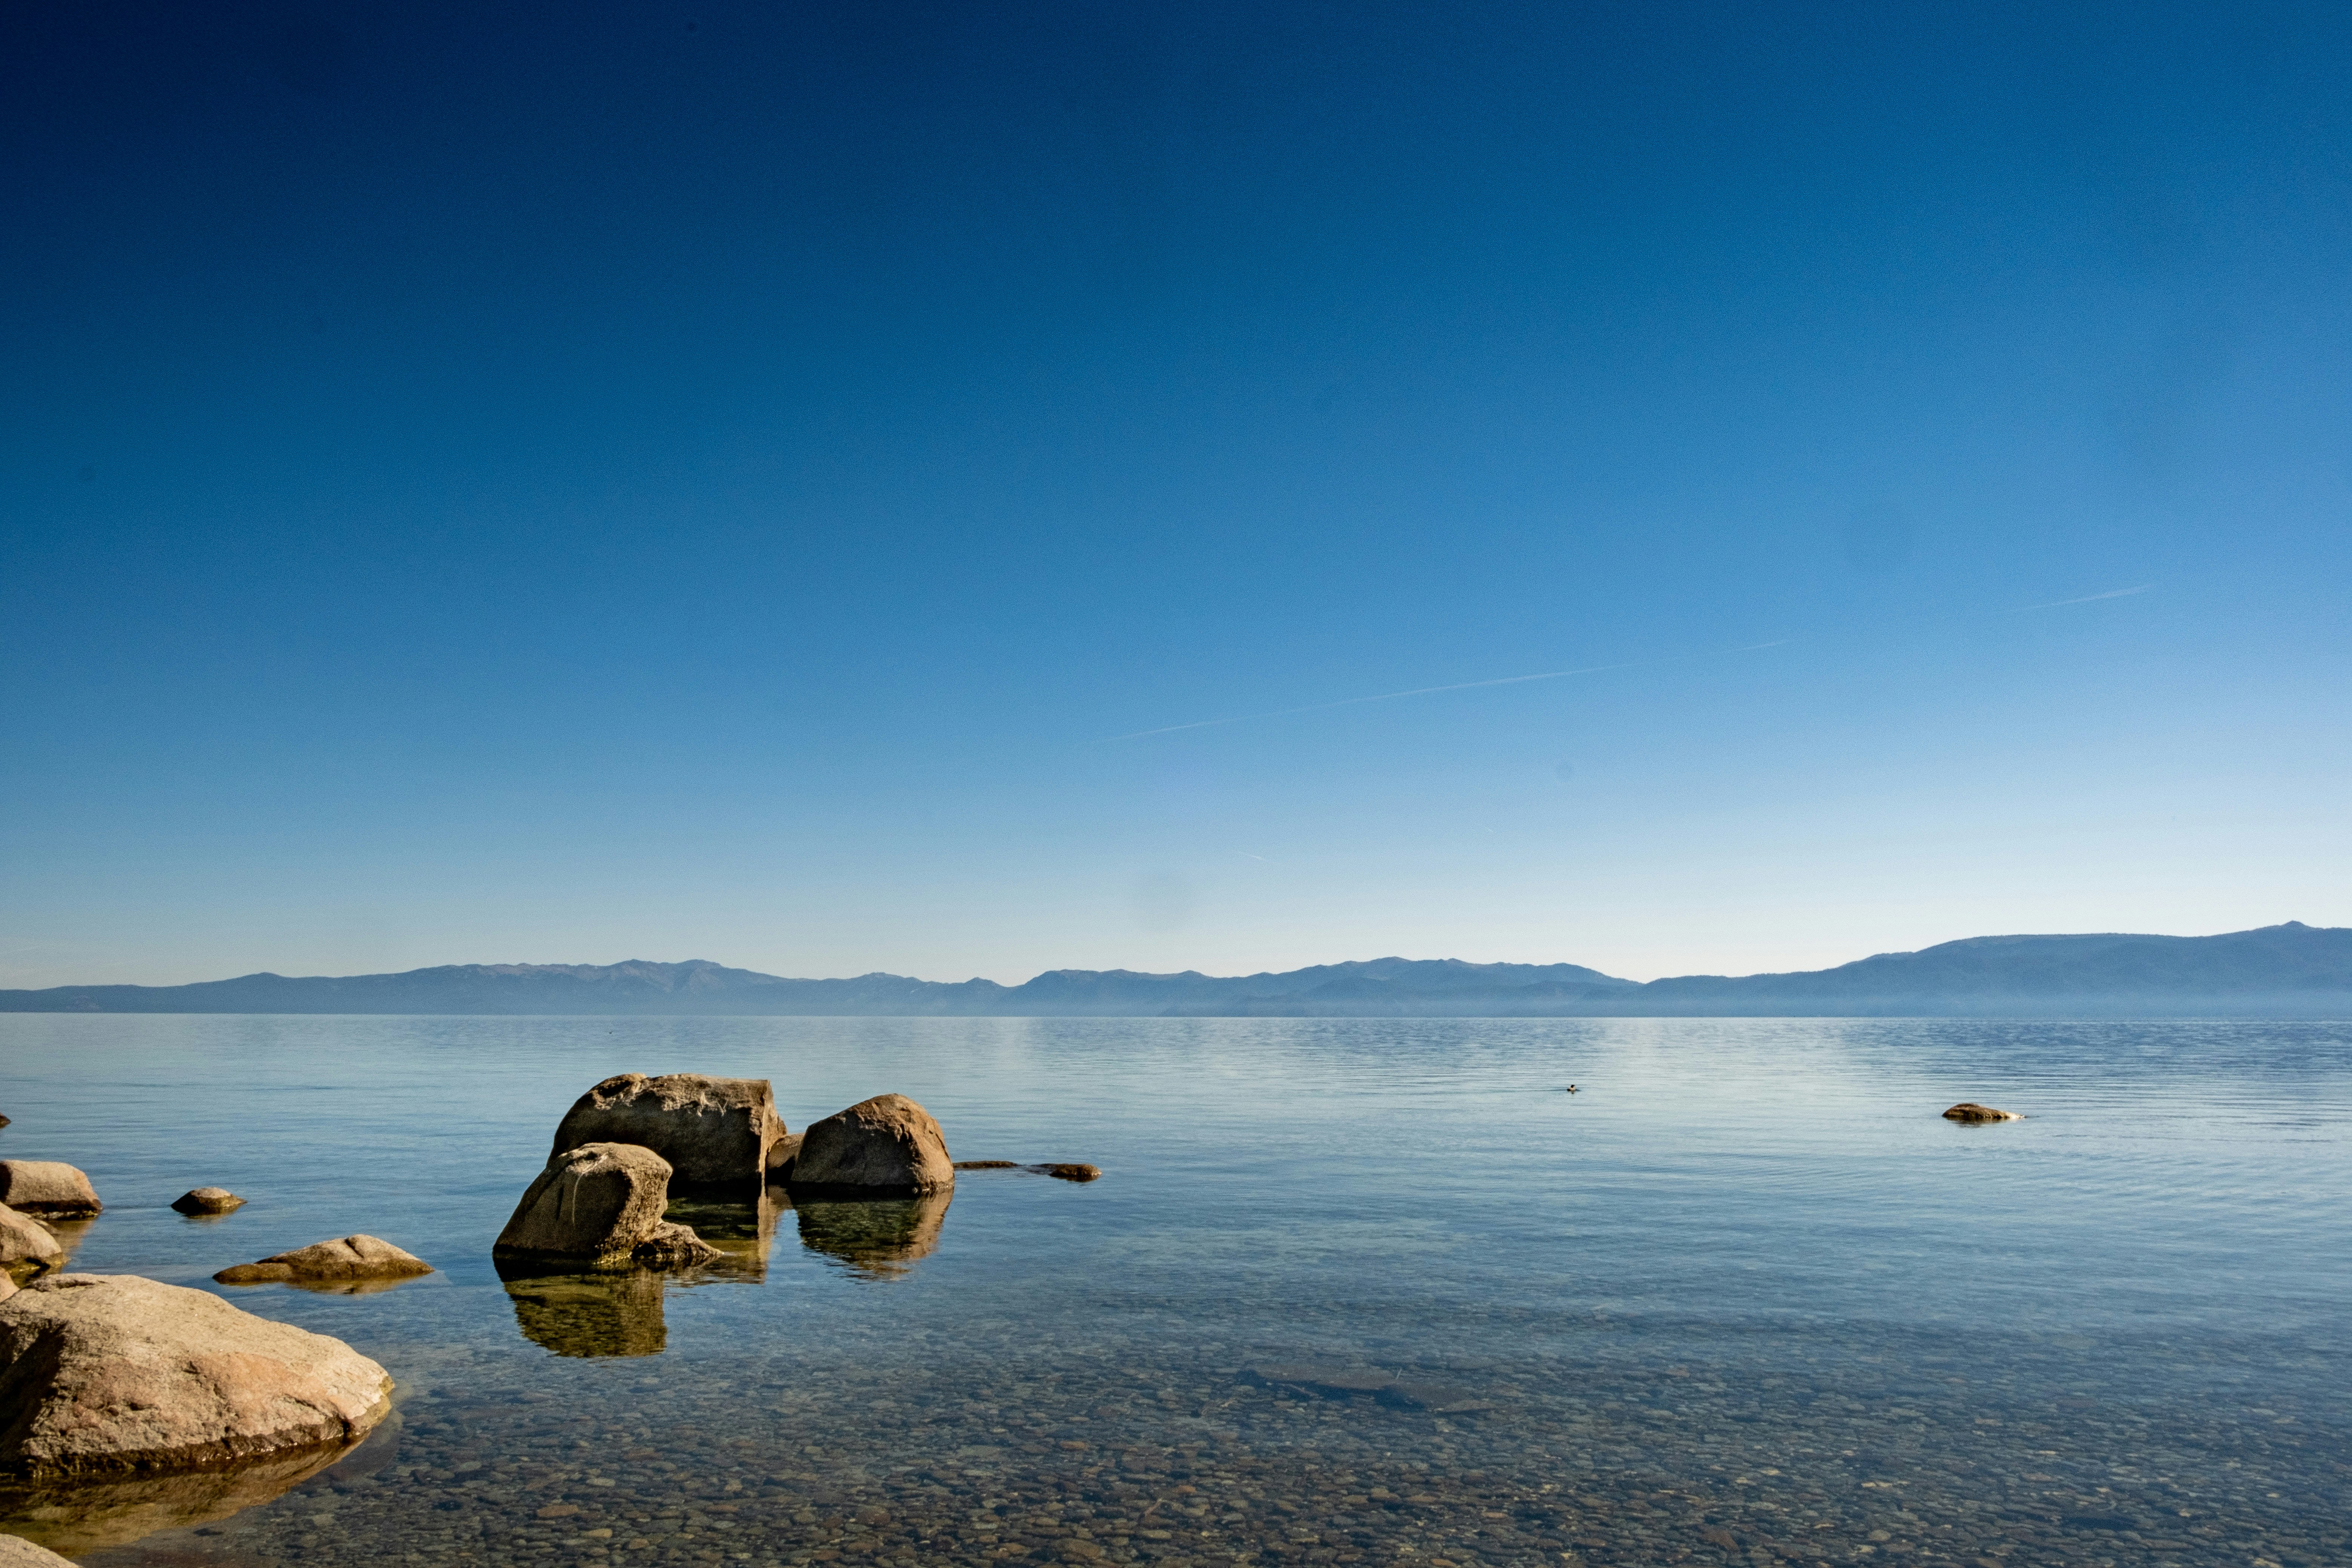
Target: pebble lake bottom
{"x":1349,"y":1291}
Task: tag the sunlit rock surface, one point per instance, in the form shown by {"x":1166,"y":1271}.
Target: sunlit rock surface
{"x":885,"y":1144}
{"x":713,"y":1131}
{"x":345,"y":1261}
{"x":112,"y":1373}
{"x":601,"y":1206}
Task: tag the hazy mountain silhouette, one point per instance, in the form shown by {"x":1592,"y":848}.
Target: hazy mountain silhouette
{"x":2283,"y":970}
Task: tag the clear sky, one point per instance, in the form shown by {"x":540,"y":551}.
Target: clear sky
{"x":830,"y":487}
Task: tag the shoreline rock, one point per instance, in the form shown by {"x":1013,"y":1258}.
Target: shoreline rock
{"x":344,"y":1258}
{"x":27,"y":1245}
{"x":115,"y":1373}
{"x":714,"y":1133}
{"x":1970,"y":1112}
{"x":600,"y":1206}
{"x":207,"y":1200}
{"x":888,"y":1145}
{"x":50,"y":1188}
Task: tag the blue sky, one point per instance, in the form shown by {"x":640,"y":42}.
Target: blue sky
{"x":566,"y":484}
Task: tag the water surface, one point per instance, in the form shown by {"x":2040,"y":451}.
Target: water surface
{"x":1350,"y":1291}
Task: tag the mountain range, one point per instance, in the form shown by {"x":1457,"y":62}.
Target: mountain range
{"x":2291,"y":970}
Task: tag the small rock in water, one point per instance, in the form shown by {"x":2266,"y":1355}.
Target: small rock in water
{"x":1072,"y":1173}
{"x":207,"y":1200}
{"x":345,"y":1258}
{"x":49,"y":1188}
{"x":1970,"y":1110}
{"x":987,"y":1164}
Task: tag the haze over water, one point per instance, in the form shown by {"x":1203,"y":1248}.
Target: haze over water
{"x":1373,"y":1291}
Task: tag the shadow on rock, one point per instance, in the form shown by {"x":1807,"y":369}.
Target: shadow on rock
{"x":743,"y":1232}
{"x":605,"y":1313}
{"x":879,"y":1238}
{"x":74,"y":1517}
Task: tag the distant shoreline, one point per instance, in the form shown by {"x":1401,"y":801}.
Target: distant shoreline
{"x":2288,"y":971}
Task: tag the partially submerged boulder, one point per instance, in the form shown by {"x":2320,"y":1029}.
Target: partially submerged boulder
{"x":207,"y":1200}
{"x":47,"y":1188}
{"x":1970,"y":1110}
{"x":713,"y":1131}
{"x":600,"y":1206}
{"x":1070,"y":1172}
{"x":27,"y":1245}
{"x":110,"y":1372}
{"x":327,"y":1262}
{"x":885,"y":1144}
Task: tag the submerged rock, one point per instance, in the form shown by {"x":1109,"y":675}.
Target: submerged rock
{"x":78,"y":1514}
{"x":611,"y":1313}
{"x":885,"y":1144}
{"x":102,"y":1372}
{"x":1071,"y":1173}
{"x":47,"y":1188}
{"x":207,"y":1200}
{"x":1970,"y":1110}
{"x":878,"y":1238}
{"x":27,"y":1245}
{"x":600,"y":1206}
{"x":349,"y":1258}
{"x":713,"y":1131}
{"x":988,"y":1164}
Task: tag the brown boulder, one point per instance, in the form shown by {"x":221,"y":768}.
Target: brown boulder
{"x":1970,"y":1110}
{"x":47,"y":1188}
{"x":207,"y":1200}
{"x":885,"y":1144}
{"x":326,"y":1262}
{"x":713,"y":1131}
{"x":102,"y":1372}
{"x":600,"y":1206}
{"x":27,"y":1245}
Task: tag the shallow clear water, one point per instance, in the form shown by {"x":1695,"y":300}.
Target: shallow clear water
{"x":1350,"y":1291}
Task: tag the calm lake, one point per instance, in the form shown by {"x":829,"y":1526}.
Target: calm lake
{"x":1349,"y":1290}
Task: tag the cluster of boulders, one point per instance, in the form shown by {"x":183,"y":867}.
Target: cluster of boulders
{"x":120,"y":1375}
{"x":628,"y":1142}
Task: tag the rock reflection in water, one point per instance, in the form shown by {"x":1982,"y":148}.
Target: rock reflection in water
{"x":878,"y":1238}
{"x":600,"y":1314}
{"x":72,"y":1517}
{"x":744,"y":1233}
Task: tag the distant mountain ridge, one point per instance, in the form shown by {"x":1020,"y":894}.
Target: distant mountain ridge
{"x":2290,"y":969}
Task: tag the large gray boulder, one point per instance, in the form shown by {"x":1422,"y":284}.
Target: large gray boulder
{"x":50,"y":1188}
{"x":714,"y":1131}
{"x":110,"y":1372}
{"x":27,"y":1245}
{"x":346,"y":1258}
{"x":600,"y":1206}
{"x":885,"y":1144}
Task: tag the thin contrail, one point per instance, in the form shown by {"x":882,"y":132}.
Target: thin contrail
{"x":2085,"y":599}
{"x":1384,"y":696}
